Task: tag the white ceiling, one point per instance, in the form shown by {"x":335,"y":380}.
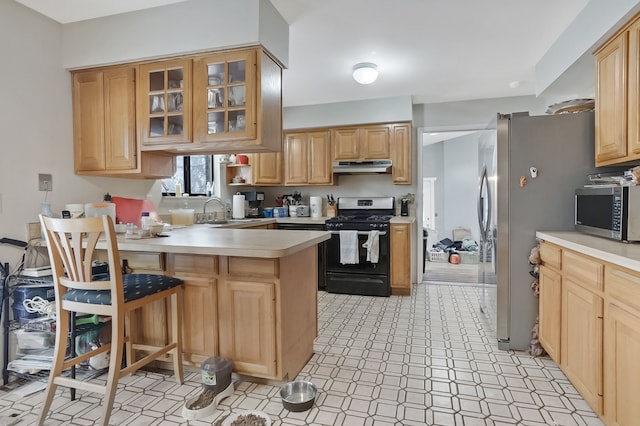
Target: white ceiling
{"x":432,"y":50}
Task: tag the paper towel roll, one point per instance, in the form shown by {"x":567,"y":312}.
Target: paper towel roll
{"x":315,"y":204}
{"x":238,"y":207}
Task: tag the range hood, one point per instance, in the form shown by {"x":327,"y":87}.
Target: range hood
{"x":348,"y":167}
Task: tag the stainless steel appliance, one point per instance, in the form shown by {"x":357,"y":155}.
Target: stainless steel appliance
{"x":610,"y":212}
{"x":352,"y":167}
{"x":560,"y":150}
{"x":360,"y":214}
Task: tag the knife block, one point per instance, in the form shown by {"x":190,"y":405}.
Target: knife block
{"x":331,"y":211}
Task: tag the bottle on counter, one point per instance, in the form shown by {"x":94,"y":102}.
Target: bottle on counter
{"x":178,"y":189}
{"x":145,"y":220}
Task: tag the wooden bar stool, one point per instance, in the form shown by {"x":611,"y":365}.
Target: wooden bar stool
{"x":71,"y":244}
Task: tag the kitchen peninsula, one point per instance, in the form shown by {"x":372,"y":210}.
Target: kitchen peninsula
{"x":249,"y":295}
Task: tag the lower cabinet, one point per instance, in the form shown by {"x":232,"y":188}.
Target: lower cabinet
{"x":246,"y":312}
{"x":550,"y":307}
{"x":400,"y":241}
{"x":622,"y":346}
{"x":200,"y":320}
{"x":581,"y":347}
{"x":599,"y":329}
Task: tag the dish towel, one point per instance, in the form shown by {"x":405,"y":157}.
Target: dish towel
{"x":348,"y":247}
{"x":373,"y":246}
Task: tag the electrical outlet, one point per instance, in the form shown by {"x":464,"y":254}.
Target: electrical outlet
{"x":0,"y":203}
{"x":44,"y":182}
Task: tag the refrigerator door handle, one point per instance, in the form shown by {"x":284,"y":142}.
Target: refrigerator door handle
{"x":483,"y":222}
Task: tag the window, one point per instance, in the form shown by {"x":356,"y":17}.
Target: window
{"x":192,"y":172}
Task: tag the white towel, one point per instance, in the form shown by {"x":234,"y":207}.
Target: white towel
{"x":348,"y":247}
{"x":373,"y":246}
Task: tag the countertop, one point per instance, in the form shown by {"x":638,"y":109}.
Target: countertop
{"x":623,"y":254}
{"x":212,"y":240}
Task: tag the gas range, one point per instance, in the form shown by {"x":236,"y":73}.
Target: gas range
{"x":362,"y":213}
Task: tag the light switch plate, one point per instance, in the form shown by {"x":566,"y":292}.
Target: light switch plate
{"x":44,"y":182}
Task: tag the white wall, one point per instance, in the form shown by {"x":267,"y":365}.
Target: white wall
{"x":37,"y":135}
{"x":196,"y":25}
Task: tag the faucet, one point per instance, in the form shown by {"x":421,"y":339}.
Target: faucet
{"x":204,"y":208}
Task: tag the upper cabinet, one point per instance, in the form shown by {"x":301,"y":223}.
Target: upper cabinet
{"x":617,"y":97}
{"x":361,"y":143}
{"x":307,"y":158}
{"x":224,"y":95}
{"x":164,"y":102}
{"x":401,"y":169}
{"x":104,"y":128}
{"x":237,"y":102}
{"x":130,"y":120}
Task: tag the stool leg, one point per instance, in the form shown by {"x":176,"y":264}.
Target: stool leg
{"x":176,"y":331}
{"x":117,"y":339}
{"x":62,"y":338}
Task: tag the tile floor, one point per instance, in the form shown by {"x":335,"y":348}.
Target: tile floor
{"x":421,"y":360}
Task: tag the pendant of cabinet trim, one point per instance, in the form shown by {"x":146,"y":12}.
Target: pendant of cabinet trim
{"x":104,"y":128}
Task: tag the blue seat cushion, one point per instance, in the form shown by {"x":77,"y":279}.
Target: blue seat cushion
{"x":135,"y":287}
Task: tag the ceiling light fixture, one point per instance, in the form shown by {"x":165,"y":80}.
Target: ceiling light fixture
{"x":365,"y":72}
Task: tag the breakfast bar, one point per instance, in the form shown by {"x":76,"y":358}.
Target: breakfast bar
{"x":250,"y":295}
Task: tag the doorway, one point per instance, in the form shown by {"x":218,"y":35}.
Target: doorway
{"x":450,"y":191}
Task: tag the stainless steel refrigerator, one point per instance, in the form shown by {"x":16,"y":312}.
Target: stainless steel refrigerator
{"x":553,"y":154}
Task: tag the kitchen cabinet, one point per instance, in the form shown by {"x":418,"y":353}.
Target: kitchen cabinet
{"x":307,"y":158}
{"x":582,"y":325}
{"x":237,"y":102}
{"x":550,"y":300}
{"x":247,"y":325}
{"x":266,"y":168}
{"x":617,"y":97}
{"x":164,"y":102}
{"x":400,"y":151}
{"x":400,"y":240}
{"x":362,"y":143}
{"x":104,"y":130}
{"x":621,"y":346}
{"x":242,"y":171}
{"x":200,"y":322}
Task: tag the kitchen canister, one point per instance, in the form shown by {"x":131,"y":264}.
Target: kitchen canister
{"x":315,"y":204}
{"x":237,"y":211}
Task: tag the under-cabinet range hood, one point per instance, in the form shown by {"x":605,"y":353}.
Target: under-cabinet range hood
{"x":348,"y":167}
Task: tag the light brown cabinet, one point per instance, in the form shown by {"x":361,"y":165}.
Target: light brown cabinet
{"x":617,"y":97}
{"x":362,"y":143}
{"x":266,"y":168}
{"x":400,"y":240}
{"x":307,"y":158}
{"x":550,"y":300}
{"x":104,"y":128}
{"x":400,"y":151}
{"x":164,"y":103}
{"x":200,"y":322}
{"x":237,"y":102}
{"x":247,"y":325}
{"x":622,"y":346}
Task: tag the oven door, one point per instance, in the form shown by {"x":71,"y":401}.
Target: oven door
{"x":363,"y":266}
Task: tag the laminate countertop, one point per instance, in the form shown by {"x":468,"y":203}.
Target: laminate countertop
{"x":212,"y":240}
{"x":623,"y":254}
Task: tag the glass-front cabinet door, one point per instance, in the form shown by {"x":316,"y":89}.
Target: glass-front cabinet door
{"x":164,"y":102}
{"x":224,"y":87}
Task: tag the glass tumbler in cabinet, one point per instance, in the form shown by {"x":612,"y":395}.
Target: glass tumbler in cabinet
{"x":164,"y":110}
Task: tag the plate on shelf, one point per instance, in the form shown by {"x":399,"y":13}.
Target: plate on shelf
{"x":239,"y":416}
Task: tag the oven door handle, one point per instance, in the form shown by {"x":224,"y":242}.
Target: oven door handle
{"x":362,"y":232}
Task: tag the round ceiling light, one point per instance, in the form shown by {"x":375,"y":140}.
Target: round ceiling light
{"x":365,"y":72}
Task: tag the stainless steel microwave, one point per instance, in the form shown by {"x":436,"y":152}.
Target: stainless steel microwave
{"x":610,"y":212}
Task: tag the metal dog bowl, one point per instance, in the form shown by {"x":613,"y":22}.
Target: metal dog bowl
{"x":298,"y":396}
